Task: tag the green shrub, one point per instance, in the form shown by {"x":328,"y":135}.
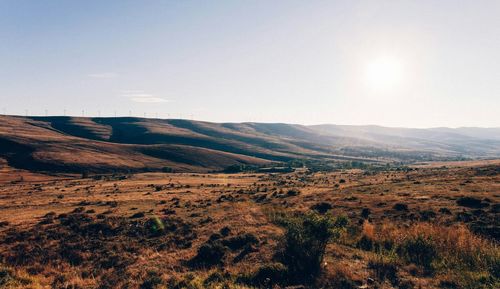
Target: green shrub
{"x":304,"y":244}
{"x":420,"y":251}
{"x":385,"y":267}
{"x":155,"y":226}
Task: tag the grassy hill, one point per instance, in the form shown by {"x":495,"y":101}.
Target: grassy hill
{"x":75,"y":144}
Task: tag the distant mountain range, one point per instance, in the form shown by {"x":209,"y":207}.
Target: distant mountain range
{"x":76,"y":144}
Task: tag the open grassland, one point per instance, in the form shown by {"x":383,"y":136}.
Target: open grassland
{"x":425,"y":227}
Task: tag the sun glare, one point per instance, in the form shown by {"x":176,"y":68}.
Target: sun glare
{"x":383,"y":74}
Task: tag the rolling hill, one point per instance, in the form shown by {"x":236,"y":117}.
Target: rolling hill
{"x":76,"y":144}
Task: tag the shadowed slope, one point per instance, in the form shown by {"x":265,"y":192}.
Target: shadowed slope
{"x":75,"y":144}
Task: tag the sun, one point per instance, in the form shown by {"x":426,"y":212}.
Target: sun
{"x":384,"y":74}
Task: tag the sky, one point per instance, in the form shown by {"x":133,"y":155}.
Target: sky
{"x":421,"y":63}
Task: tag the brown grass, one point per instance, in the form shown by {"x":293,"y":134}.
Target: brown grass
{"x":251,"y":203}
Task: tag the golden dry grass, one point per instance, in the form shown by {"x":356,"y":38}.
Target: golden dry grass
{"x":243,"y":202}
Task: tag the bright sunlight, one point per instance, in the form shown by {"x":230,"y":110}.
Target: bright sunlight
{"x":383,"y":74}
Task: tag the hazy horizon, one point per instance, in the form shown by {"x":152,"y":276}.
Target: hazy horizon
{"x":263,"y":122}
{"x":415,"y":64}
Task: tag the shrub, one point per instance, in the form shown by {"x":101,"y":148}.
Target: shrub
{"x":427,"y":215}
{"x":304,"y":243}
{"x":400,"y":207}
{"x":208,"y":255}
{"x":240,"y":241}
{"x":365,"y":213}
{"x":137,"y":215}
{"x":471,"y":202}
{"x":155,"y":226}
{"x":452,"y":251}
{"x":322,"y":207}
{"x":419,"y":250}
{"x":385,"y":267}
{"x":225,"y":231}
{"x":365,"y":243}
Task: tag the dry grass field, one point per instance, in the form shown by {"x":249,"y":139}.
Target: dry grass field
{"x":430,"y":226}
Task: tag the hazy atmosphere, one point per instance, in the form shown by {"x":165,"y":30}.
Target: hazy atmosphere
{"x":392,"y":63}
{"x":249,"y":144}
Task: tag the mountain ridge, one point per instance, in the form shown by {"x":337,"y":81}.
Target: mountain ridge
{"x":108,"y":144}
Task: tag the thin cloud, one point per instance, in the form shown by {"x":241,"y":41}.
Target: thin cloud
{"x":103,"y":75}
{"x":140,"y":96}
{"x":150,"y":99}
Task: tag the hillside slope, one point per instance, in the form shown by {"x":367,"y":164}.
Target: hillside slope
{"x":75,"y":144}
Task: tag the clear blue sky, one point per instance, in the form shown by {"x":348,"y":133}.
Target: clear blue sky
{"x":395,"y":63}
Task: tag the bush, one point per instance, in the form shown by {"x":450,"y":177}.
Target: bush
{"x":365,"y":243}
{"x":427,"y":215}
{"x":304,"y":244}
{"x":419,"y":250}
{"x":365,"y":213}
{"x":240,"y":241}
{"x":471,"y":202}
{"x":400,"y":207}
{"x":293,"y":192}
{"x":138,"y":215}
{"x":208,"y":255}
{"x":155,"y":226}
{"x":322,"y":207}
{"x":225,"y":231}
{"x":385,"y":268}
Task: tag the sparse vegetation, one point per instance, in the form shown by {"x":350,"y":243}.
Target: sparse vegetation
{"x":262,"y":230}
{"x":304,"y":244}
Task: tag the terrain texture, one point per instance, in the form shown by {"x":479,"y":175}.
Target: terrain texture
{"x":126,"y":144}
{"x":430,"y":226}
